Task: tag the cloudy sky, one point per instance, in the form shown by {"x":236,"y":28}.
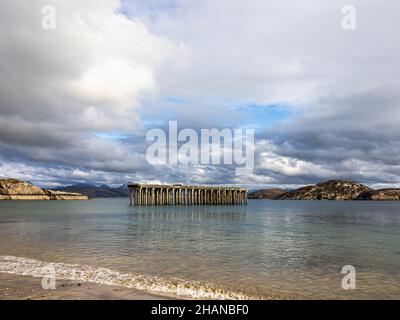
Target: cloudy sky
{"x":76,"y":102}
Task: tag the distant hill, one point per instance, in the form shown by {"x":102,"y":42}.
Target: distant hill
{"x":266,"y":193}
{"x":330,"y":190}
{"x":92,"y":191}
{"x":13,"y":189}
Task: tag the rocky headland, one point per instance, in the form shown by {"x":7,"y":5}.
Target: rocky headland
{"x":13,"y":189}
{"x":330,"y":190}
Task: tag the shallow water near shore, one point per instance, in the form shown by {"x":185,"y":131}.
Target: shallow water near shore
{"x":268,"y":249}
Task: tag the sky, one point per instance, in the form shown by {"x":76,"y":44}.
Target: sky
{"x":77,"y":101}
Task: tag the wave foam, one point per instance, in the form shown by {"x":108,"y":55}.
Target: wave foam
{"x":75,"y":272}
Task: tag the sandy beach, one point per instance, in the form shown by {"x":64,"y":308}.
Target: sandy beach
{"x":16,"y":287}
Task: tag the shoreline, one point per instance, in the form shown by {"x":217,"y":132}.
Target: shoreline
{"x":24,"y":287}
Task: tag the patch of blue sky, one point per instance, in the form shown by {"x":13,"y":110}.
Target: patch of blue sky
{"x":151,"y":8}
{"x":114,"y":135}
{"x":175,"y":100}
{"x":162,"y":117}
{"x":258,"y":116}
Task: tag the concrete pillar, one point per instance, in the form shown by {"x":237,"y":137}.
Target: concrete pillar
{"x":167,"y":191}
{"x":163,"y":196}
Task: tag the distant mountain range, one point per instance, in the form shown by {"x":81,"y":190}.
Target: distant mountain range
{"x":329,"y":190}
{"x":92,"y":191}
{"x":266,"y":193}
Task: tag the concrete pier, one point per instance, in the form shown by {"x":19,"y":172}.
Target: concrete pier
{"x":163,"y":195}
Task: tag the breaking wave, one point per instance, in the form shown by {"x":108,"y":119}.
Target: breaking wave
{"x":171,"y":287}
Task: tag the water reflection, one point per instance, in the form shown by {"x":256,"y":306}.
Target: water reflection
{"x":190,"y":212}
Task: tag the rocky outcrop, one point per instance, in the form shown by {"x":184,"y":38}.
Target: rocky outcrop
{"x":381,"y":194}
{"x":329,"y":190}
{"x":13,"y":189}
{"x":266,"y":193}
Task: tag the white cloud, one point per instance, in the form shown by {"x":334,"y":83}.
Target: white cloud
{"x":90,"y":73}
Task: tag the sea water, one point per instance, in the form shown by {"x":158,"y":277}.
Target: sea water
{"x":268,"y":249}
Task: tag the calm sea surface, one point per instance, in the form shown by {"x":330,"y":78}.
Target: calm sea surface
{"x":267,"y":249}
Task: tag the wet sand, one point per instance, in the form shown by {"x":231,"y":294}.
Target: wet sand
{"x":16,"y":287}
